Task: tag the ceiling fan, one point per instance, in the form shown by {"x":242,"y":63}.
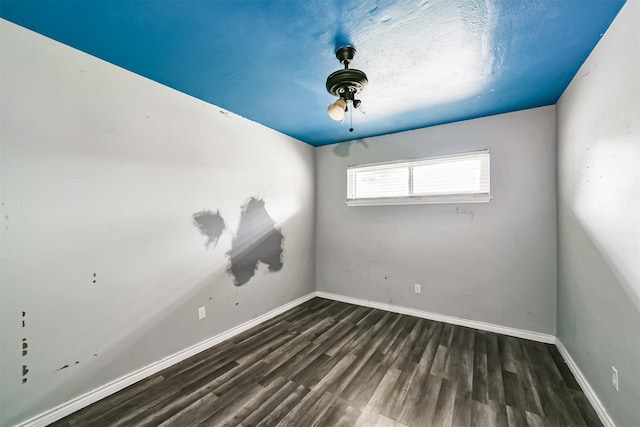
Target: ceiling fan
{"x":345,"y":84}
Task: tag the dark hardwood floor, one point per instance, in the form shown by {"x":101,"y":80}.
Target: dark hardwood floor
{"x":327,"y":363}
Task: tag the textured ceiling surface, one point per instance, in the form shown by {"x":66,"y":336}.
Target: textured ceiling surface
{"x":429,"y":62}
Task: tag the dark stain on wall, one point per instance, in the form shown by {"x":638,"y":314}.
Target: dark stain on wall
{"x":257,"y":240}
{"x":210,"y":225}
{"x":25,"y":346}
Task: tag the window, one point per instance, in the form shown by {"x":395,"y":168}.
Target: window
{"x":460,"y":178}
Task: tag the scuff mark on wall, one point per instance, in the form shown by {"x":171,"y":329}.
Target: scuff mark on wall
{"x":465,"y":211}
{"x":25,"y":346}
{"x":60,"y":369}
{"x":257,"y":240}
{"x":210,"y":225}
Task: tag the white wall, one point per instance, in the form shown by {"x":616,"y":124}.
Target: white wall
{"x":599,"y":216}
{"x":102,"y":171}
{"x":492,"y":262}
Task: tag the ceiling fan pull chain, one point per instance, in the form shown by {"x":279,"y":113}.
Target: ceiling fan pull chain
{"x":351,"y":119}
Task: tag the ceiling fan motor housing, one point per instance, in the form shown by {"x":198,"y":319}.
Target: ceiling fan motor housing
{"x":347,"y":82}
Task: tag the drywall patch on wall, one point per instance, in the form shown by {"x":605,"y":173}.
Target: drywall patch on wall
{"x":210,"y":224}
{"x":257,"y":240}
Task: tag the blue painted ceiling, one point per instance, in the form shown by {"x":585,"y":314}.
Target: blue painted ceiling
{"x":429,"y":62}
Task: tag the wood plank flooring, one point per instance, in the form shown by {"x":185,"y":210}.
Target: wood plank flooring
{"x":327,"y":363}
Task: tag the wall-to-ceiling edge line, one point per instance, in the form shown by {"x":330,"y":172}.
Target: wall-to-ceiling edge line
{"x":602,"y":412}
{"x":101,"y":392}
{"x":88,"y":398}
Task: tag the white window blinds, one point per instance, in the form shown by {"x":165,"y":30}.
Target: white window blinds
{"x":383,"y":181}
{"x":452,"y":179}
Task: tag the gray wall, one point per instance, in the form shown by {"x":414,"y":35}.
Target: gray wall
{"x":493,"y":262}
{"x":599,"y":217}
{"x":102,"y":172}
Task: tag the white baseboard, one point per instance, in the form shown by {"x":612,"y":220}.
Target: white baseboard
{"x":520,"y":333}
{"x":93,"y":396}
{"x":505,"y":330}
{"x":585,"y":386}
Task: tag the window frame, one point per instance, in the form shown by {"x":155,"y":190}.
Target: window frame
{"x":412,"y":199}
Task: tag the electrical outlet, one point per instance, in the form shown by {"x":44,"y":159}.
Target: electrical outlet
{"x":202,"y":313}
{"x":614,"y":378}
{"x":417,"y":288}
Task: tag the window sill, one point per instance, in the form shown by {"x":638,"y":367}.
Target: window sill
{"x":418,"y":200}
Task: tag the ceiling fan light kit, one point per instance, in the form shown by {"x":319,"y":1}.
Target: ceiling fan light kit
{"x":345,"y":84}
{"x":337,"y":109}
